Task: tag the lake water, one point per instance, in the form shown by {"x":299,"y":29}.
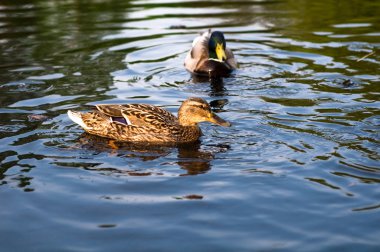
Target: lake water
{"x":298,"y":170}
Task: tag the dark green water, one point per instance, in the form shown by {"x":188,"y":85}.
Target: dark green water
{"x":299,"y":169}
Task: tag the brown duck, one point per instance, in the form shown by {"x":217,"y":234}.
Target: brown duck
{"x":147,"y":123}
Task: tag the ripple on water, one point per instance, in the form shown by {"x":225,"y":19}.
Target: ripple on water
{"x":298,"y":167}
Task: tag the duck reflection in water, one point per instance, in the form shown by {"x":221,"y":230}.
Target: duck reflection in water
{"x":216,"y":84}
{"x":190,"y":156}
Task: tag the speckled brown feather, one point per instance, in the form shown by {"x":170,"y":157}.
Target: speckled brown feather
{"x":147,"y":123}
{"x":139,"y":114}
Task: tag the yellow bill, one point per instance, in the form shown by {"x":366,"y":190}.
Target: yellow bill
{"x":220,"y":53}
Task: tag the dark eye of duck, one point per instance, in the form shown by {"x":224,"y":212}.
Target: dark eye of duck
{"x":202,"y":107}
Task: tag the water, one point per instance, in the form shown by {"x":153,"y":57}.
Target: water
{"x":298,"y":171}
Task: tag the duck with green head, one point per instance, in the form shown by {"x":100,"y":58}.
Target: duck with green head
{"x":147,"y":123}
{"x":209,"y":56}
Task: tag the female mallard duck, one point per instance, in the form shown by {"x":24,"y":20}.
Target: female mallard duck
{"x":209,"y":56}
{"x":148,"y":123}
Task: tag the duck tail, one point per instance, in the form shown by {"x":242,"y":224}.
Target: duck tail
{"x":77,"y":118}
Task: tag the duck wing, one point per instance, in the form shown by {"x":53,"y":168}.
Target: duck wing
{"x":138,"y":114}
{"x":198,"y":53}
{"x":231,"y":59}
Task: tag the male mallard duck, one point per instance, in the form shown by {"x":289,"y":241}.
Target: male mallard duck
{"x":209,"y":56}
{"x":147,"y":123}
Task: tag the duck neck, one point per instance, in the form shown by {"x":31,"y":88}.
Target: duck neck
{"x":191,"y":133}
{"x":212,"y":55}
{"x":184,"y":121}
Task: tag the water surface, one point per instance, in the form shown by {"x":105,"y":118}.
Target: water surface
{"x":298,"y":171}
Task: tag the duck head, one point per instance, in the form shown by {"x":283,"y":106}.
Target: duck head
{"x":195,"y":110}
{"x":217,"y":46}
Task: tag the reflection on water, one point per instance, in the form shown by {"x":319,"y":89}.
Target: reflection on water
{"x":298,"y":167}
{"x":190,"y":157}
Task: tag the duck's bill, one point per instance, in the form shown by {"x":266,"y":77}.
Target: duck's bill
{"x":220,"y":53}
{"x":217,"y":120}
